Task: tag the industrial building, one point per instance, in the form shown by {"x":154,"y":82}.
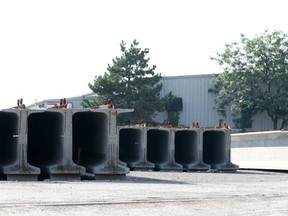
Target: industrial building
{"x":196,"y":103}
{"x":199,"y":103}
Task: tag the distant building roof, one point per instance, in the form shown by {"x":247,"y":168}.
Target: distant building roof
{"x":74,"y":101}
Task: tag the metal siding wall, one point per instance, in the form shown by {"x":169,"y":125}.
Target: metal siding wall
{"x":262,"y":121}
{"x":198,"y":103}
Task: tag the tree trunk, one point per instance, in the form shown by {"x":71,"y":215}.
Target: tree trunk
{"x":275,"y":124}
{"x":283,"y":124}
{"x":274,"y":119}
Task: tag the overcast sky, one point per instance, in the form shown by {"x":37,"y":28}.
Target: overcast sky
{"x":53,"y":49}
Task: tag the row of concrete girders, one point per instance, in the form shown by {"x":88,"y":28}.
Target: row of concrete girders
{"x":65,"y":143}
{"x":176,"y":148}
{"x":61,"y":143}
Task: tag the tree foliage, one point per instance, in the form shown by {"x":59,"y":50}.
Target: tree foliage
{"x":90,"y":102}
{"x":173,"y":116}
{"x":131,"y":83}
{"x":255,"y":76}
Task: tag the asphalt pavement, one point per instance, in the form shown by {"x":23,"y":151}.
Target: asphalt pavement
{"x":245,"y":192}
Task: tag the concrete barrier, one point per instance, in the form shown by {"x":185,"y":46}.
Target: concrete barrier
{"x":90,"y":140}
{"x":130,"y":145}
{"x":161,"y":149}
{"x":133,"y":148}
{"x":13,"y":146}
{"x":50,"y":144}
{"x":95,"y":144}
{"x":260,"y":150}
{"x":96,"y":141}
{"x":216,"y":149}
{"x":189,"y":149}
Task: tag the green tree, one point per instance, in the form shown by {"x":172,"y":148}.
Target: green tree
{"x":131,"y":83}
{"x":255,"y":77}
{"x":173,"y":116}
{"x":96,"y":100}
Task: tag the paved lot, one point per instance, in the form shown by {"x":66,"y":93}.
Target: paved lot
{"x":152,"y":193}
